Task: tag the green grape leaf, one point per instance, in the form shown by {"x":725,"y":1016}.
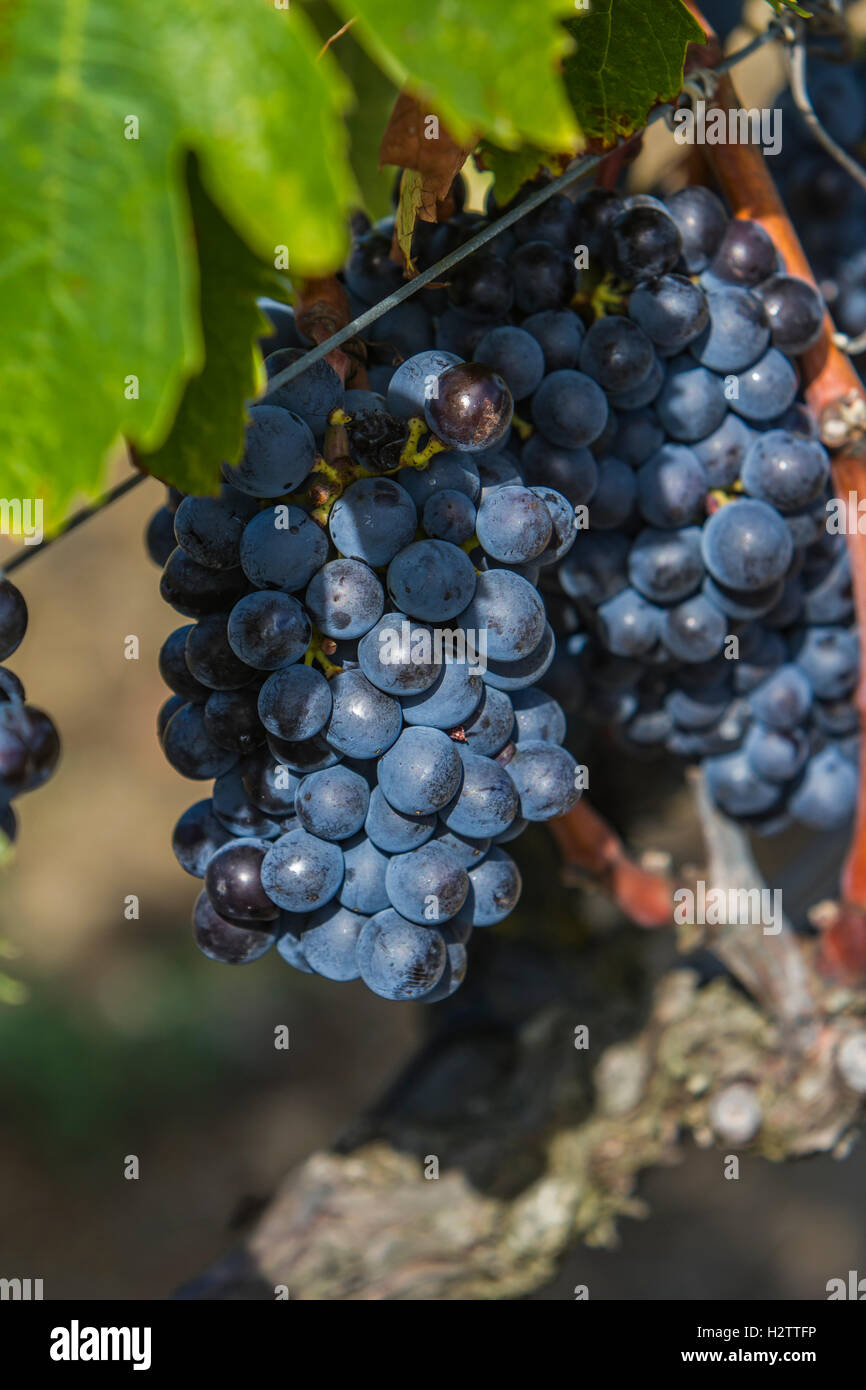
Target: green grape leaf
{"x":409,"y":204}
{"x":367,"y":115}
{"x":628,"y":57}
{"x":511,"y":169}
{"x":100,"y":328}
{"x":209,"y":425}
{"x":485,"y":66}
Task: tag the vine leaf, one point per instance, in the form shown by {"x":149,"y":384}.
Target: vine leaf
{"x":628,"y":57}
{"x":367,"y":116}
{"x":100,"y":327}
{"x":431,"y":158}
{"x":511,"y":169}
{"x":487,"y":66}
{"x":410,"y":206}
{"x":209,"y":425}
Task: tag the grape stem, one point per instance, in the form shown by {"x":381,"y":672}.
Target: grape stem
{"x":835,"y":395}
{"x":321,"y":310}
{"x":589,"y":845}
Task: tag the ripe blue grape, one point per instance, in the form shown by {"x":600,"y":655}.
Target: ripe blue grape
{"x":231,"y":719}
{"x":569,"y":408}
{"x":786,"y":469}
{"x":513,"y":525}
{"x":515,"y":355}
{"x":691,"y":403}
{"x":345,"y":599}
{"x":559,"y":334}
{"x":372,"y":521}
{"x":295,"y":702}
{"x":300,"y":872}
{"x":490,"y":727}
{"x":189,"y":749}
{"x":333,"y":803}
{"x":399,"y":960}
{"x":432,"y":579}
{"x":391,"y":830}
{"x":666,"y":566}
{"x":671,"y":311}
{"x":545,"y":776}
{"x":312,"y":395}
{"x":449,"y":516}
{"x":210,"y":528}
{"x":363,"y":886}
{"x":737,"y":334}
{"x":398,"y":655}
{"x":766,"y":389}
{"x":617,"y":353}
{"x":364,"y":720}
{"x":427,"y":885}
{"x":572,"y":472}
{"x":195,"y":591}
{"x":509,"y":611}
{"x":268,"y":629}
{"x":494,"y":890}
{"x":281,"y":548}
{"x":329,"y":940}
{"x":641,"y":242}
{"x":701,"y":218}
{"x":421,"y":772}
{"x":450,"y":701}
{"x":746,"y":254}
{"x":544,"y":277}
{"x":211,"y":659}
{"x":746,"y":545}
{"x":671,"y":487}
{"x":279,"y":451}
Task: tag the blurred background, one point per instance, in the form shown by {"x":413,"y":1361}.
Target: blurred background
{"x":118,"y":1038}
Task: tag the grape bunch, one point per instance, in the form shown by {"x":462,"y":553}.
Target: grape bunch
{"x":709,"y":599}
{"x":358,"y":675}
{"x":29,"y":744}
{"x":705,"y":608}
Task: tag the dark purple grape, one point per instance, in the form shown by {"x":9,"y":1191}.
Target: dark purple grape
{"x":228,"y":942}
{"x":11,"y":688}
{"x":159,"y":537}
{"x":795,"y":311}
{"x":210,"y":658}
{"x":233,"y":882}
{"x":231,"y":719}
{"x":641,"y":242}
{"x":13,"y":618}
{"x":197,"y":837}
{"x":195,"y":591}
{"x":701,"y":218}
{"x":746,"y":255}
{"x":481,"y":287}
{"x":472,"y":409}
{"x":544,"y":277}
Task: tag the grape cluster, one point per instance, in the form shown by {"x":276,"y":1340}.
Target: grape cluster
{"x":705,"y":609}
{"x":29,"y":744}
{"x":359,"y":672}
{"x":710,"y":602}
